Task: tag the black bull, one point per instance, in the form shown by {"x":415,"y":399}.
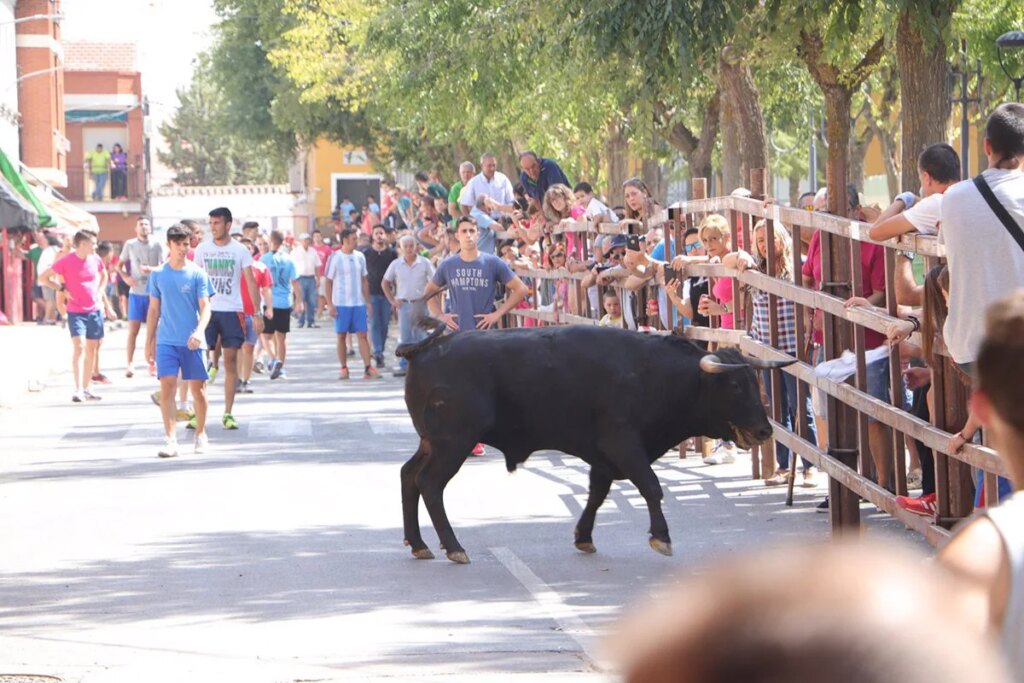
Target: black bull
{"x":614,"y":398}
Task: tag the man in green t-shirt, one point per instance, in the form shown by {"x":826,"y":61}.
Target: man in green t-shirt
{"x":97,"y":162}
{"x":466,"y":171}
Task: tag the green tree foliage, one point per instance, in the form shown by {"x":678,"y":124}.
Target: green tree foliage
{"x":203,"y":145}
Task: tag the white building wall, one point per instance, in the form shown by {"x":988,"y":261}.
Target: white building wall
{"x":268,"y":205}
{"x":9,"y":139}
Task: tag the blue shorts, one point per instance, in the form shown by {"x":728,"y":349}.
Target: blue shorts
{"x":170,"y":359}
{"x":878,"y":385}
{"x":138,"y":307}
{"x":88,"y":325}
{"x":350,"y":319}
{"x":250,"y":331}
{"x":228,"y":327}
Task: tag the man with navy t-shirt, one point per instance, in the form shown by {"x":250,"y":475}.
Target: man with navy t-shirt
{"x":472,"y":279}
{"x":179,"y":312}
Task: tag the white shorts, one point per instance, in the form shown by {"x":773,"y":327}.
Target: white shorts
{"x":323,"y":287}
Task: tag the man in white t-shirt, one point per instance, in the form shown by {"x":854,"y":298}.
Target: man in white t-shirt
{"x":347,"y":282}
{"x":938,"y":168}
{"x":985,"y":262}
{"x":227,"y":261}
{"x":492,"y":183}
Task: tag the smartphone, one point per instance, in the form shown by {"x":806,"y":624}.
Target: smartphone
{"x":673,"y":274}
{"x":633,"y":242}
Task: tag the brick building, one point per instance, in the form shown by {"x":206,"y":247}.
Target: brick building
{"x":104,"y":104}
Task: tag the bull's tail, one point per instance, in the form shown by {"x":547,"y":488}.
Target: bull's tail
{"x":437,"y":328}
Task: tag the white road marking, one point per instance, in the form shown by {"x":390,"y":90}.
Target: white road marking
{"x":398,"y":425}
{"x":552,"y":603}
{"x":281,"y":428}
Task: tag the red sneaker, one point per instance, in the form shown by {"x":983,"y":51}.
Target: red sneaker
{"x":100,"y":378}
{"x":924,"y":506}
{"x":478,"y":449}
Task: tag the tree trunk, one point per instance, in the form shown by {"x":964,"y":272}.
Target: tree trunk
{"x":741,"y":96}
{"x":858,"y":150}
{"x":794,"y":187}
{"x":654,"y":178}
{"x":732,"y":175}
{"x":837,"y":132}
{"x":616,"y":152}
{"x":696,"y":149}
{"x":924,"y":87}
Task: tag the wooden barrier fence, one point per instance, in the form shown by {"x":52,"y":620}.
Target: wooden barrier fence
{"x":839,"y":453}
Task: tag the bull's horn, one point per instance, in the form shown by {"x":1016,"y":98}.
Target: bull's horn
{"x":768,"y":364}
{"x":712,"y":365}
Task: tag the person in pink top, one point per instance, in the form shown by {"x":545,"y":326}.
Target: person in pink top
{"x":714,"y":235}
{"x":325,"y":252}
{"x":84,"y":284}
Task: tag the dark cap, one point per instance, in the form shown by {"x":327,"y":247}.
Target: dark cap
{"x":613,"y":243}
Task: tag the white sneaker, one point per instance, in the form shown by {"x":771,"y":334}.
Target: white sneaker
{"x":202,"y":443}
{"x":722,"y":455}
{"x":78,"y":397}
{"x":170,"y":448}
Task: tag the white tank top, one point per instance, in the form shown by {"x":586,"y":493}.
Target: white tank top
{"x":1008,"y":518}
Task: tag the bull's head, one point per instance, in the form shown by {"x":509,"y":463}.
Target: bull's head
{"x":737,"y":410}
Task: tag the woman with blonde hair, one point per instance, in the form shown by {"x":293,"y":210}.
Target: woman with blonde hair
{"x":760,"y":330}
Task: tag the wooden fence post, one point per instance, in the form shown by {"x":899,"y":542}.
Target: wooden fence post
{"x":698,"y":190}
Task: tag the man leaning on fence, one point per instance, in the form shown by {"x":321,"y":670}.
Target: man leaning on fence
{"x":403,"y":284}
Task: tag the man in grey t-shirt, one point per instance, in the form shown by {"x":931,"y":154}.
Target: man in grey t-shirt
{"x":139,"y":257}
{"x":472,"y":279}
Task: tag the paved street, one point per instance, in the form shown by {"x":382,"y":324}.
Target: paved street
{"x":278,"y":555}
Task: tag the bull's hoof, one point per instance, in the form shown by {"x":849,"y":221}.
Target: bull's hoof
{"x":459,"y":557}
{"x":588,"y":548}
{"x":661,"y":547}
{"x":423,"y":554}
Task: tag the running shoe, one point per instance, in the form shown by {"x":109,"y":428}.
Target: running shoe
{"x":400,"y":372}
{"x":129,"y":372}
{"x":924,"y":505}
{"x":478,"y":449}
{"x":155,"y":398}
{"x":276,"y":371}
{"x":282,"y":374}
{"x":100,"y":378}
{"x":246,"y":387}
{"x":202,"y":443}
{"x":77,"y":397}
{"x":89,"y":396}
{"x":379,"y":360}
{"x":258,"y":367}
{"x":212,"y":371}
{"x":372,"y":373}
{"x":193,"y":422}
{"x":822,"y":506}
{"x":170,"y":448}
{"x":343,"y":374}
{"x":183,"y":415}
{"x":229,"y":422}
{"x":351,"y":352}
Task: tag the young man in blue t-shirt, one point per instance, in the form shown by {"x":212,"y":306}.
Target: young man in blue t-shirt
{"x":472,"y":279}
{"x":285,"y":291}
{"x":179,"y":311}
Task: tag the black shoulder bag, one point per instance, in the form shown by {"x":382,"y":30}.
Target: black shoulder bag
{"x":999,"y":210}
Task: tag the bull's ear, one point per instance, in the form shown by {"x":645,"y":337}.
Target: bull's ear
{"x":712,"y":365}
{"x":763,"y":364}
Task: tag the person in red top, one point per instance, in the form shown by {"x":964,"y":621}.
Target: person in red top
{"x":264,"y":281}
{"x":84,"y":282}
{"x":325,"y":252}
{"x":873,"y":279}
{"x":195,"y":237}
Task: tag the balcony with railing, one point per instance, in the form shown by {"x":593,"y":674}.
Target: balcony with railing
{"x":117,"y":191}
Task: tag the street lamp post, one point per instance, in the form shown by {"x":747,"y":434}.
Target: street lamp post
{"x":962,"y":73}
{"x":1013,"y":40}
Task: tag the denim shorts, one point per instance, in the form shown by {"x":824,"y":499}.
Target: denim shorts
{"x":88,"y":325}
{"x":878,"y":385}
{"x":250,"y":331}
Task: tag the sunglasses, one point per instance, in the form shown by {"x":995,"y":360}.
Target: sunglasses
{"x":693,"y":247}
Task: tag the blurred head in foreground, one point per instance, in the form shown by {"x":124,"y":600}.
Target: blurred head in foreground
{"x":836,"y":612}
